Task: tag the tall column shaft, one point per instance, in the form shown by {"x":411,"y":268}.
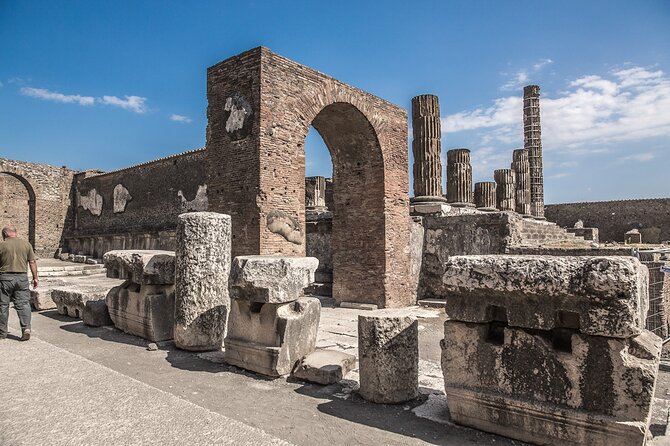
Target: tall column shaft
{"x":459,"y":177}
{"x":485,"y":195}
{"x":532,"y":141}
{"x":521,"y":167}
{"x":426,"y":148}
{"x":505,"y":189}
{"x":315,"y":192}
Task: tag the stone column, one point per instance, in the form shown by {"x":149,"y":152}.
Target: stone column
{"x":459,"y":178}
{"x":315,"y":193}
{"x":485,"y":196}
{"x":426,"y":148}
{"x":532,"y":141}
{"x":521,"y":168}
{"x":505,"y":189}
{"x":388,"y":350}
{"x":202,"y":302}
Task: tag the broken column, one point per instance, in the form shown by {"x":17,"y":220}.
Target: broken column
{"x":201,"y":290}
{"x":459,"y":178}
{"x":505,"y":189}
{"x":388,"y":350}
{"x":550,"y":350}
{"x":271,"y":324}
{"x":315,"y":193}
{"x":144,"y":304}
{"x":426,"y":149}
{"x":485,"y":196}
{"x":532,"y":141}
{"x":521,"y":168}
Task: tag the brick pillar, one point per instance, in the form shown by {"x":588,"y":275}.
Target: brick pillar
{"x":505,"y":189}
{"x":532,"y":141}
{"x":459,"y":178}
{"x":426,"y":148}
{"x":521,"y":168}
{"x":485,"y":196}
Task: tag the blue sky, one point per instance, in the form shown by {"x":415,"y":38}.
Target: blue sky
{"x":93,"y":84}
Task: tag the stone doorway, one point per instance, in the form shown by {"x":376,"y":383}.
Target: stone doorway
{"x":17,"y":205}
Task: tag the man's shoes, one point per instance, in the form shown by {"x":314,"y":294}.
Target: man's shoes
{"x":26,"y":335}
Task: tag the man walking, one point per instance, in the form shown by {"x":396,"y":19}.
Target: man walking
{"x":15,"y":256}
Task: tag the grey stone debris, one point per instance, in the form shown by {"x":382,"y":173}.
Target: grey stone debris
{"x":79,"y":259}
{"x":388,"y":349}
{"x":325,"y":367}
{"x":601,"y":296}
{"x":202,"y":301}
{"x":151,"y":267}
{"x":96,"y":314}
{"x":71,"y":301}
{"x":271,"y":279}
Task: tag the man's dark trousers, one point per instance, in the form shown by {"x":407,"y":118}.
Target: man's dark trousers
{"x":14,"y":287}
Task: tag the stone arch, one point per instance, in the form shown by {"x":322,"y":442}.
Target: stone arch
{"x":31,"y":202}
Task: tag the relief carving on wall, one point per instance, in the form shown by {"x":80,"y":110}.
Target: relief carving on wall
{"x":199,"y":203}
{"x":279,"y":222}
{"x":121,"y":198}
{"x":92,"y":202}
{"x":237,"y":114}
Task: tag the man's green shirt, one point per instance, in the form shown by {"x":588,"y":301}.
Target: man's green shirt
{"x":15,"y":253}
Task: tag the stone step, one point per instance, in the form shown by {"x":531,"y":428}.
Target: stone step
{"x":73,"y":273}
{"x":70,"y":267}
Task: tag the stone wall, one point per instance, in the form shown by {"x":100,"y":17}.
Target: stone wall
{"x":136,"y":207}
{"x":47,"y":189}
{"x":15,"y":205}
{"x":614,"y":218}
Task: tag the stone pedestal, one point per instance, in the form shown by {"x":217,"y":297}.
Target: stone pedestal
{"x":144,"y":304}
{"x":550,"y":350}
{"x":201,"y":289}
{"x":521,"y":168}
{"x":271,"y":325}
{"x":388,"y":349}
{"x":426,"y":149}
{"x":459,"y":178}
{"x":505,"y":189}
{"x":485,"y":196}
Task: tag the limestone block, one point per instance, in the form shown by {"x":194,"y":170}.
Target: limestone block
{"x":95,"y":314}
{"x":603,"y":296}
{"x":271,"y":338}
{"x":143,"y":310}
{"x":79,"y":259}
{"x":325,"y":367}
{"x":550,"y":387}
{"x":271,"y":279}
{"x":64,"y":256}
{"x":40,"y":297}
{"x":201,"y":290}
{"x":141,"y":266}
{"x":388,"y":349}
{"x":71,"y":301}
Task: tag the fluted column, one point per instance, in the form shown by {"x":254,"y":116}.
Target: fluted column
{"x":459,"y":178}
{"x":426,"y":148}
{"x":505,"y":189}
{"x":532,"y":141}
{"x":315,"y":193}
{"x":485,"y":196}
{"x":521,"y":168}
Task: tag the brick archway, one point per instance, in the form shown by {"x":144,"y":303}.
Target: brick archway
{"x":261,"y":106}
{"x":31,"y":203}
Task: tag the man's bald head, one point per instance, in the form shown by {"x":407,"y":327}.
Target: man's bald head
{"x":8,"y":231}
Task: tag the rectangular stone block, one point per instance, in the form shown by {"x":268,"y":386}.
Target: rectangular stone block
{"x":141,"y":266}
{"x":271,"y":338}
{"x":96,"y":314}
{"x":71,"y":301}
{"x":559,"y":388}
{"x":271,"y":279}
{"x":146,"y":311}
{"x":325,"y":367}
{"x":602,"y":296}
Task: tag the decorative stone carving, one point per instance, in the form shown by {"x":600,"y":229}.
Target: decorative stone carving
{"x":426,"y":149}
{"x":459,"y":178}
{"x":281,"y":223}
{"x":199,"y":204}
{"x":505,"y":189}
{"x":121,"y":198}
{"x":521,"y":168}
{"x":237,"y":114}
{"x":532,"y":141}
{"x":91,"y":202}
{"x":485,"y":196}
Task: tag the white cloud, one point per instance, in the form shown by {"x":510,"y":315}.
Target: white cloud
{"x":523,"y":76}
{"x":132,"y":103}
{"x":180,"y":118}
{"x":637,"y":157}
{"x":541,"y":64}
{"x":47,"y":95}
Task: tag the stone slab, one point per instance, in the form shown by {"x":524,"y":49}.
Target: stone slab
{"x":602,"y":296}
{"x":271,"y":279}
{"x":325,"y":367}
{"x":95,"y":314}
{"x":141,"y":266}
{"x":358,"y":306}
{"x":71,"y":301}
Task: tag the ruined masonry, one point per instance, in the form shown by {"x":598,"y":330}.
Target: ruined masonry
{"x":202,"y":269}
{"x":505,"y":189}
{"x":485,"y":196}
{"x":426,"y":149}
{"x":459,"y":178}
{"x":271,"y":324}
{"x":550,"y":350}
{"x":532,"y":141}
{"x":521,"y":168}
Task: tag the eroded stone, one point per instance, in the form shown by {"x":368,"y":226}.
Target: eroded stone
{"x":271,"y":279}
{"x":141,"y":266}
{"x":325,"y":366}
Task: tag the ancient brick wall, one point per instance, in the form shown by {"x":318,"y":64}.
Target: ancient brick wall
{"x":136,"y":207}
{"x":15,"y":205}
{"x":260,"y":109}
{"x":614,"y":218}
{"x":47,"y":189}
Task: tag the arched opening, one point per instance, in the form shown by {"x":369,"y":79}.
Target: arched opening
{"x":17,"y":199}
{"x":358,"y":236}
